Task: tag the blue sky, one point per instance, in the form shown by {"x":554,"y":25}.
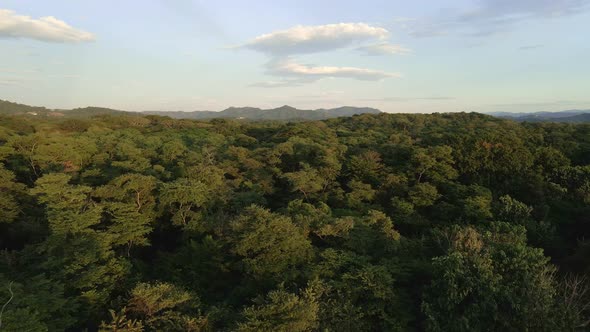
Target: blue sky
{"x":398,"y":56}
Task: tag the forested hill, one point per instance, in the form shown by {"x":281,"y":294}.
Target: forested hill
{"x":375,"y":222}
{"x":283,"y":113}
{"x":15,"y":109}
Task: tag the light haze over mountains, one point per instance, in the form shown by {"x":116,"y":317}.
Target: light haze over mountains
{"x":283,"y":113}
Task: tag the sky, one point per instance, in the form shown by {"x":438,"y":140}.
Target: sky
{"x":397,"y":56}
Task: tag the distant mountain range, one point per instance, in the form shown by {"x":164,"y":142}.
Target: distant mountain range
{"x":569,"y":116}
{"x":283,"y":113}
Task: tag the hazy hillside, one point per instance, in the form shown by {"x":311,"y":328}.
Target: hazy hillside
{"x":280,"y":113}
{"x":10,"y":108}
{"x":584,"y":117}
{"x":283,"y":113}
{"x":87,"y":112}
{"x":570,"y":116}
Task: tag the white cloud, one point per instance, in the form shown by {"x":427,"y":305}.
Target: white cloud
{"x":312,"y":39}
{"x":294,"y":74}
{"x":290,"y":68}
{"x":384,"y":48}
{"x":48,"y":29}
{"x":281,"y":45}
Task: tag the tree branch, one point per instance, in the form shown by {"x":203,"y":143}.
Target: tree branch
{"x":7,"y":302}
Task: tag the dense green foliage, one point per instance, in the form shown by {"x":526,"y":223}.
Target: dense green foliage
{"x":442,"y":222}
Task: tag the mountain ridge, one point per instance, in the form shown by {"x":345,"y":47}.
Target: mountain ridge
{"x":282,"y":113}
{"x":567,"y":116}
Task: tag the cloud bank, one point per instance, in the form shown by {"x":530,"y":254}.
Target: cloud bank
{"x":282,"y":45}
{"x":492,"y":16}
{"x":47,"y":29}
{"x":288,"y":67}
{"x":313,"y":39}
